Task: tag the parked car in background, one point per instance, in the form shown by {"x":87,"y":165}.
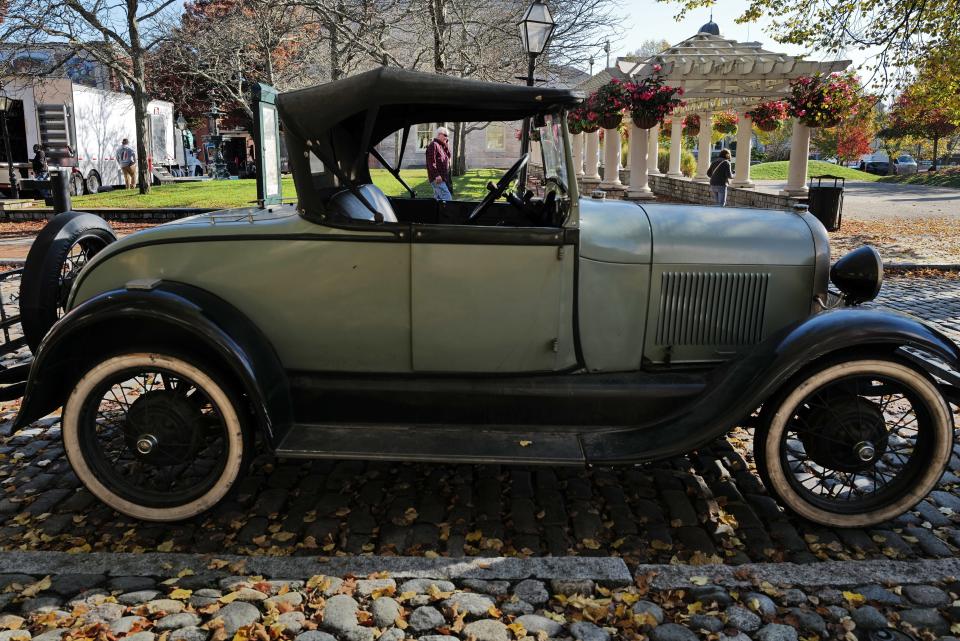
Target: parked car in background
{"x":906,"y":165}
{"x":878,"y":164}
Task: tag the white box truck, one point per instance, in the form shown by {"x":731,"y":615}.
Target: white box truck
{"x":82,"y":127}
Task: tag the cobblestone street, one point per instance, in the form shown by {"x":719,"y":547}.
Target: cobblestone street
{"x":705,"y":507}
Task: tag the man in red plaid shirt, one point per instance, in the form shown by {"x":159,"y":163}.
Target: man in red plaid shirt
{"x":438,"y":165}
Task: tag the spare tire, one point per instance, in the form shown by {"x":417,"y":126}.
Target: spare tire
{"x":59,"y":252}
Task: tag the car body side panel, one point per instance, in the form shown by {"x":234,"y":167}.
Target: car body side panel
{"x":613,"y":314}
{"x":324,"y":304}
{"x":614,"y":231}
{"x":490,"y":308}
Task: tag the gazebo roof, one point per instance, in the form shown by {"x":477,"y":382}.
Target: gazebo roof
{"x":717,"y":73}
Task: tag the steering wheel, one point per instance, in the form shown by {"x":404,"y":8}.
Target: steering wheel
{"x":496,"y":191}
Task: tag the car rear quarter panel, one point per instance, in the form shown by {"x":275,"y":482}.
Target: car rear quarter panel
{"x":322,"y":303}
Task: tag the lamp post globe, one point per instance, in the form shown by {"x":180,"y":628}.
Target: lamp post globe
{"x":213,"y":128}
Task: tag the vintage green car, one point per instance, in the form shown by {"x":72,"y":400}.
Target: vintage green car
{"x":551,"y":330}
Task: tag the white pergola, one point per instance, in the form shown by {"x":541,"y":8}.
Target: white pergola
{"x":716,"y":74}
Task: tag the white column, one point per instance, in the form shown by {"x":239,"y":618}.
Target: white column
{"x":703,"y":148}
{"x":639,"y":179}
{"x":653,"y":151}
{"x":611,"y":159}
{"x":578,"y":154}
{"x":591,"y":169}
{"x":744,"y":142}
{"x":799,"y":153}
{"x":676,"y":147}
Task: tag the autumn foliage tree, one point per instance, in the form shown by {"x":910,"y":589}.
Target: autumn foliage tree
{"x":925,"y":110}
{"x":847,"y":141}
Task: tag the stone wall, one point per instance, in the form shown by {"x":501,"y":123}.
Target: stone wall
{"x":691,"y":192}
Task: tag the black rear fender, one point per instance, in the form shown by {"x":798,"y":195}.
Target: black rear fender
{"x":169,"y":316}
{"x":741,"y":386}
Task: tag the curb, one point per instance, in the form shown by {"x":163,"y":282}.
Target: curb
{"x":906,"y":267}
{"x":611,"y":571}
{"x":810,"y":575}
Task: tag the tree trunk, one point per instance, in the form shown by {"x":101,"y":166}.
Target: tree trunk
{"x":438,"y":20}
{"x":139,"y":94}
{"x":140,"y":116}
{"x":459,"y":165}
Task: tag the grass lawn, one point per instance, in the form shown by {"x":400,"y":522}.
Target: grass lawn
{"x":223,"y":194}
{"x":778,"y":171}
{"x":949,"y":177}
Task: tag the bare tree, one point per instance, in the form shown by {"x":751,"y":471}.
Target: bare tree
{"x":118,"y":34}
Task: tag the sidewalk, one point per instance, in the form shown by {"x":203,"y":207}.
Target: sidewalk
{"x":487,"y":600}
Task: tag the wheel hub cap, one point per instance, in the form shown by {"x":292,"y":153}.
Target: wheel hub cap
{"x":865,"y":451}
{"x":146,"y":443}
{"x":847,"y":434}
{"x":164,"y":428}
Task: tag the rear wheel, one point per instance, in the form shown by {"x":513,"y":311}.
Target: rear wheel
{"x":855,"y":443}
{"x":154,"y":436}
{"x":93,"y":183}
{"x":76,"y":184}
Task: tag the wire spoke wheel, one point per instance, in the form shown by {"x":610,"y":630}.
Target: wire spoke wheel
{"x":856,"y":443}
{"x":153,"y":436}
{"x":77,"y":257}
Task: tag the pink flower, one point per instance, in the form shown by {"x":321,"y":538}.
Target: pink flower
{"x":657,"y":68}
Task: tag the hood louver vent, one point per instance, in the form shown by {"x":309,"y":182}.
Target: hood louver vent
{"x":710,"y":308}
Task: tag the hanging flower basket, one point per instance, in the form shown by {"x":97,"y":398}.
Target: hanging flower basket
{"x":769,"y":116}
{"x":607,"y":104}
{"x":575,"y":127}
{"x":651,"y":100}
{"x":824,"y":100}
{"x":591,"y":128}
{"x":691,"y":125}
{"x":611,"y":121}
{"x":725,"y":122}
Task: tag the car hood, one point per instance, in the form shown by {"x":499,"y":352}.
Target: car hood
{"x":625,"y":232}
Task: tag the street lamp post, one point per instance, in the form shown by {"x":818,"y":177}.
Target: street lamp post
{"x":219,"y":165}
{"x":182,"y":126}
{"x":5,"y":104}
{"x":536,"y":27}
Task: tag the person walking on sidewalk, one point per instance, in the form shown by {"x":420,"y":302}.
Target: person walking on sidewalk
{"x":720,"y":172}
{"x":438,"y":165}
{"x":127,"y":158}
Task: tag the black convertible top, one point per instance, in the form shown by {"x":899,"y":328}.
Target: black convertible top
{"x":342,"y":120}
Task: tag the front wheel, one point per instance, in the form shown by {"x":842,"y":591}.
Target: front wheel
{"x":154,"y":436}
{"x":855,"y":443}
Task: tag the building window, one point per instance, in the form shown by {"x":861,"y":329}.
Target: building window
{"x":424,"y":135}
{"x":495,"y":136}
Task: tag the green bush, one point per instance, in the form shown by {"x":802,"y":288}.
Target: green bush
{"x":688,"y":164}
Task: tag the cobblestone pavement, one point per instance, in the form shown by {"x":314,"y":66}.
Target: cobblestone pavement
{"x":705,"y":507}
{"x":214,"y":606}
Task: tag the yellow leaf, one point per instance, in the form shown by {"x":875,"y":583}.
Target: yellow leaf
{"x":657,"y":544}
{"x":400,"y":623}
{"x":645,"y":618}
{"x":590,"y":544}
{"x":180,"y":594}
{"x":166,"y":546}
{"x":695,"y":608}
{"x":283,"y":537}
{"x":518,"y":630}
{"x":474,"y":536}
{"x":854,"y":599}
{"x":525,"y":444}
{"x":184,"y":572}
{"x":698,"y":580}
{"x":494,"y":612}
{"x":430,"y":554}
{"x":35,"y":588}
{"x":230,"y":598}
{"x":629,"y":598}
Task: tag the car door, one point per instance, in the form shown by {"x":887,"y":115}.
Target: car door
{"x":492,"y":299}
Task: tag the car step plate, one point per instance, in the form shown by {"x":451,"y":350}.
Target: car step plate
{"x":440,"y":443}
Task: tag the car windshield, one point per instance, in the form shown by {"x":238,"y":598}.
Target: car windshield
{"x":551,"y":146}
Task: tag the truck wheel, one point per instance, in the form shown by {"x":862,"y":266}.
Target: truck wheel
{"x":76,"y":184}
{"x":154,"y":436}
{"x":93,"y":183}
{"x":855,"y":443}
{"x":59,"y":252}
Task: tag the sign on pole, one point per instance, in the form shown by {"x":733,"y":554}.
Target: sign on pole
{"x":266,"y":131}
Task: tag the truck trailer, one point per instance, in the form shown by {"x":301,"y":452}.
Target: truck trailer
{"x":81,"y":127}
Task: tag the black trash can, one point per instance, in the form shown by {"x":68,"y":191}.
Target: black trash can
{"x":826,"y":201}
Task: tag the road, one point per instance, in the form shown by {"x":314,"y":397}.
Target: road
{"x":867,"y":200}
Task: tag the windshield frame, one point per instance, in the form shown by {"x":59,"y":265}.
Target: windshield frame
{"x":553,"y":150}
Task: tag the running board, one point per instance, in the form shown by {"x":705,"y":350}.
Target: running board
{"x":436,"y":443}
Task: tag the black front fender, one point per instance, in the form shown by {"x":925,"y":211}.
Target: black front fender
{"x":741,"y":386}
{"x":168,"y":315}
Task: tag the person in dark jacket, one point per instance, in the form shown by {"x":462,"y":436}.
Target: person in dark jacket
{"x":438,"y":165}
{"x":720,"y":172}
{"x":41,"y":171}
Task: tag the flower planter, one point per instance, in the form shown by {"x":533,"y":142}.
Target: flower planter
{"x":644,"y":120}
{"x":592,"y":128}
{"x":611,"y":121}
{"x":692,"y":131}
{"x":771,"y":125}
{"x":725,"y":129}
{"x":575,"y":128}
